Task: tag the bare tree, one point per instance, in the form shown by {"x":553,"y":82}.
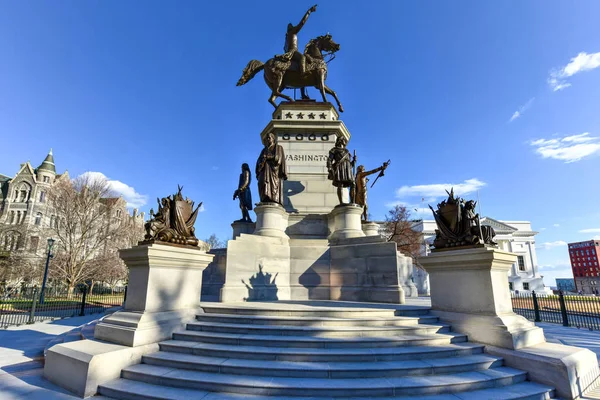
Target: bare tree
{"x":17,"y":267}
{"x":86,"y":227}
{"x":398,"y":228}
{"x":215,"y":243}
{"x":109,"y":269}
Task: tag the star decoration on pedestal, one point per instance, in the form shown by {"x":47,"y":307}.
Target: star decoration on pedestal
{"x":300,"y":115}
{"x":322,"y":115}
{"x":288,"y":115}
{"x":311,"y":116}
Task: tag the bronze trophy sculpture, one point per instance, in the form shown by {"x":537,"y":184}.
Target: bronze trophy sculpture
{"x":294,"y":69}
{"x":361,"y":185}
{"x":340,"y":165}
{"x":459,"y":225}
{"x":174,"y":221}
{"x":271,"y":171}
{"x":244,"y":194}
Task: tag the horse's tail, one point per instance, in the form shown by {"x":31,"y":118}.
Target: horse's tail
{"x":253,"y":68}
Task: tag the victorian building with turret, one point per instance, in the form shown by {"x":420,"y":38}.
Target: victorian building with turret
{"x":26,"y":214}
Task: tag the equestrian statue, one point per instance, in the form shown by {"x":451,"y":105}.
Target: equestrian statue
{"x":294,"y":69}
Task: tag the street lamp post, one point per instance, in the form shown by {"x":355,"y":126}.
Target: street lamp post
{"x":48,"y":257}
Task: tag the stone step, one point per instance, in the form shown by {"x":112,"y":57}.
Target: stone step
{"x":124,"y":389}
{"x":317,"y":321}
{"x":437,"y":349}
{"x":278,"y":386}
{"x":316,"y":341}
{"x":275,"y":310}
{"x":333,"y":370}
{"x":320,"y":331}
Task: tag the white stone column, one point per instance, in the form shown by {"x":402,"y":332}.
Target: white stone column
{"x":164,"y":288}
{"x":271,"y":220}
{"x":240,"y":227}
{"x":469,"y":289}
{"x":346,"y":221}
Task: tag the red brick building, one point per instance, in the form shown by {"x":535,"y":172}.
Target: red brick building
{"x":586,"y":265}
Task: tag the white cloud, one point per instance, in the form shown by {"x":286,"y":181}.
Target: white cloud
{"x":590,"y":230}
{"x":580,"y":63}
{"x":522,"y":109}
{"x":436,"y":190}
{"x":551,"y":245}
{"x":569,"y":148}
{"x":133,"y":198}
{"x":416,"y":210}
{"x":560,"y":266}
{"x":556,"y":225}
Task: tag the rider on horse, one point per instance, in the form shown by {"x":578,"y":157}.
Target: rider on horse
{"x":291,"y":42}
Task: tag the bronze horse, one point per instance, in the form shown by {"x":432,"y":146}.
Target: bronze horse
{"x":279,"y":75}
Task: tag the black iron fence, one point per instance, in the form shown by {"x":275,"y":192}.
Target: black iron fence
{"x":568,"y":310}
{"x":27,"y":307}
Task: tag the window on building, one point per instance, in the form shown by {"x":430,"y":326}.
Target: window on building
{"x":23,"y":195}
{"x":525,"y":285}
{"x":510,"y":285}
{"x":23,"y":217}
{"x":46,"y":179}
{"x":521,"y":261}
{"x":42,"y":196}
{"x":12,"y":217}
{"x":38,"y":219}
{"x":585,"y":264}
{"x":34,"y":241}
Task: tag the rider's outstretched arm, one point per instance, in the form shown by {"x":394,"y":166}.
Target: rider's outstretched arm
{"x":304,"y":19}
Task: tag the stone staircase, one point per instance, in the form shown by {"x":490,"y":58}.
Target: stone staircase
{"x":317,"y":351}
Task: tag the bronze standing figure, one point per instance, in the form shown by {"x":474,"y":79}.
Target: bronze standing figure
{"x":340,"y":166}
{"x":271,"y":171}
{"x":294,"y":69}
{"x":244,"y":194}
{"x":361,"y":186}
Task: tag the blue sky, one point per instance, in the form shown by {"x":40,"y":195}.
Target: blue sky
{"x":500,"y":97}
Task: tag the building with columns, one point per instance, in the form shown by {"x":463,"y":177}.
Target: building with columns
{"x":513,"y":236}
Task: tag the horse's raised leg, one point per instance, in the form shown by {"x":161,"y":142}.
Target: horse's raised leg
{"x":275,"y":85}
{"x":272,"y":99}
{"x":331,"y":92}
{"x":277,"y":89}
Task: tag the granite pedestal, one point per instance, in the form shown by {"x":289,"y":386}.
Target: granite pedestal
{"x":469,"y":290}
{"x":163,"y":294}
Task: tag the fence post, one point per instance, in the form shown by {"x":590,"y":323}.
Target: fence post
{"x":124,"y":297}
{"x":563,"y":308}
{"x":82,"y":312}
{"x":33,"y":302}
{"x":536,"y":307}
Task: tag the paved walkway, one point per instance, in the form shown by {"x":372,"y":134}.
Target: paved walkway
{"x":21,"y":359}
{"x":21,"y":355}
